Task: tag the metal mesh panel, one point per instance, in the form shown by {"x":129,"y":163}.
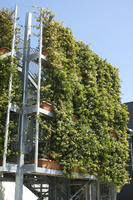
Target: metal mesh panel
{"x":107,"y":191}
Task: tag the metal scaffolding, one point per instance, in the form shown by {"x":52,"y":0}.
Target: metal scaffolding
{"x":45,"y":183}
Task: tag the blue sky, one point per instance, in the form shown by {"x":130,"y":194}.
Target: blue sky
{"x":107,"y":25}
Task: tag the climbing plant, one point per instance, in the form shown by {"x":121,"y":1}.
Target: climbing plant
{"x":6,"y":28}
{"x":6,"y":34}
{"x":85,"y":93}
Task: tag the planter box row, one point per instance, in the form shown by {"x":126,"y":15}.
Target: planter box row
{"x":50,"y":164}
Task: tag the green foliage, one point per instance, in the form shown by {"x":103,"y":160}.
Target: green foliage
{"x":85,"y":93}
{"x":79,"y":83}
{"x":6,"y":28}
{"x":6,"y":35}
{"x":16,"y":96}
{"x":4,"y":78}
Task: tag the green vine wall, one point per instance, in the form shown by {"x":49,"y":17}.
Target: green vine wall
{"x":6,"y":34}
{"x":85,"y":93}
{"x":81,"y":85}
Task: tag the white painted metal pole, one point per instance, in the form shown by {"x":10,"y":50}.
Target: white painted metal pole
{"x":114,"y":193}
{"x":19,"y":174}
{"x":9,"y":91}
{"x":98,"y":190}
{"x":38,"y":94}
{"x":87,"y":192}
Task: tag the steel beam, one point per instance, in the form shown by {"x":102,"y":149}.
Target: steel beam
{"x":29,"y":77}
{"x":114,"y":193}
{"x":15,"y":108}
{"x":87,"y":195}
{"x":33,"y":57}
{"x":23,"y":120}
{"x":98,"y":190}
{"x":5,"y":55}
{"x":38,"y":94}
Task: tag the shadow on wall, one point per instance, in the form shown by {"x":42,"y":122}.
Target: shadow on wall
{"x":2,"y":192}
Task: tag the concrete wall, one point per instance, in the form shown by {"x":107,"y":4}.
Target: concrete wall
{"x":7,"y":192}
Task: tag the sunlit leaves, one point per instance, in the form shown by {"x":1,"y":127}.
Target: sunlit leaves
{"x":85,"y":93}
{"x":80,"y":83}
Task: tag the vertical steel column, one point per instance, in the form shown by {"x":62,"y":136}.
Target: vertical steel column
{"x":26,"y":53}
{"x":114,"y":193}
{"x":38,"y":94}
{"x":90,"y":191}
{"x":98,"y":190}
{"x":131,"y":146}
{"x":87,"y":192}
{"x":19,"y":174}
{"x":9,"y":91}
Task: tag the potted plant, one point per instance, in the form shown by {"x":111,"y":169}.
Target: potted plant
{"x":45,"y":52}
{"x":50,"y":164}
{"x":113,"y":134}
{"x":4,"y":50}
{"x":46,"y":106}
